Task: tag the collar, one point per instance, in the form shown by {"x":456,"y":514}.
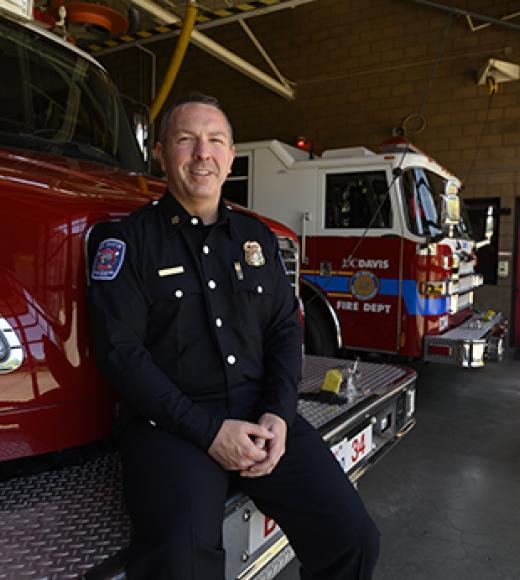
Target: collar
{"x":176,"y":216}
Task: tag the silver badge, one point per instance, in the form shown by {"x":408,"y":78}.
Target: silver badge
{"x":253,"y":254}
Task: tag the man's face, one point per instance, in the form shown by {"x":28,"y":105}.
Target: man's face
{"x":198,"y":154}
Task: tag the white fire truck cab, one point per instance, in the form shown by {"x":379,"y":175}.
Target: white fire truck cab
{"x":387,"y":261}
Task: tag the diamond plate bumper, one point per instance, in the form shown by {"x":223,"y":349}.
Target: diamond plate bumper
{"x":71,"y":523}
{"x":471,"y":344}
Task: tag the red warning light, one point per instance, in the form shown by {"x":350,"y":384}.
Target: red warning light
{"x":304,"y":144}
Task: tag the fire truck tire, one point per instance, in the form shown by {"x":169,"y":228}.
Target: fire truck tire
{"x":319,"y":338}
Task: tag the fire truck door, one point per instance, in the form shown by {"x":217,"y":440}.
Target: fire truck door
{"x":361,"y":248}
{"x":374,"y":294}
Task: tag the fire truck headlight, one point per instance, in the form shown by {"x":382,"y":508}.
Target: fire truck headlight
{"x":454,"y":304}
{"x":4,"y":349}
{"x":11,"y":352}
{"x":443,"y":323}
{"x":455,"y":261}
{"x":478,"y":280}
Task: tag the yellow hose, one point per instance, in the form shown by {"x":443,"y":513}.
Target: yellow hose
{"x":176,"y":60}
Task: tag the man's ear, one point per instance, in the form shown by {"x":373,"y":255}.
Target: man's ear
{"x":233,"y":152}
{"x":159,"y":154}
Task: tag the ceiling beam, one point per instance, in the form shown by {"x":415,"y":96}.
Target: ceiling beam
{"x":215,"y":49}
{"x":474,"y":15}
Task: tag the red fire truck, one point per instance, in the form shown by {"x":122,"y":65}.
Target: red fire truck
{"x":68,"y":162}
{"x":387,"y":262}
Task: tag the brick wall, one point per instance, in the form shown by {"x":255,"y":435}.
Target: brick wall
{"x":360,"y":68}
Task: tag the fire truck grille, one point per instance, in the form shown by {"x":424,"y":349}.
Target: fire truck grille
{"x":289,"y":252}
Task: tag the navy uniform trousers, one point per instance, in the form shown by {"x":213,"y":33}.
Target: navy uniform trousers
{"x":176,"y":495}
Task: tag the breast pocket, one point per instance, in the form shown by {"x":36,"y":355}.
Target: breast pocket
{"x":172,"y":289}
{"x":254,"y":297}
{"x":174,"y":306}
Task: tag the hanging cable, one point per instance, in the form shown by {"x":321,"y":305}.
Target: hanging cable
{"x":397,"y":171}
{"x":479,"y":142}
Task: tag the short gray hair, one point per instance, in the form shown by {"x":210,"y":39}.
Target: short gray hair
{"x":194,"y":97}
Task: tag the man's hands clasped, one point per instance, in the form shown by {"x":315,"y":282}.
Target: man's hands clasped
{"x":254,"y":449}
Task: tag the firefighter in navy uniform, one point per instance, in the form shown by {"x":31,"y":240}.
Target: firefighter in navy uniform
{"x":195,"y":324}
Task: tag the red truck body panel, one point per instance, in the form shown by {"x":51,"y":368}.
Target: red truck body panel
{"x":56,"y":399}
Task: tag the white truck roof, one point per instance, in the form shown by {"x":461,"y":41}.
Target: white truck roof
{"x":349,"y":157}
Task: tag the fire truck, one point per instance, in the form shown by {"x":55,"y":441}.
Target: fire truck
{"x":387,"y":260}
{"x":69,"y":163}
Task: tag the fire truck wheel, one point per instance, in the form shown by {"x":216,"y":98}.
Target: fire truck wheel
{"x":319,"y":339}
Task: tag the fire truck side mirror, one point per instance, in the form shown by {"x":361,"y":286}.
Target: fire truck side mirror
{"x":450,"y":210}
{"x":141,"y":128}
{"x":138,"y":115}
{"x":489,"y":228}
{"x":490,"y":223}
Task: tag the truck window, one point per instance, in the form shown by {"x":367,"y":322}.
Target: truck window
{"x":58,"y":102}
{"x":422,"y":191}
{"x":236,"y":187}
{"x":357,"y":200}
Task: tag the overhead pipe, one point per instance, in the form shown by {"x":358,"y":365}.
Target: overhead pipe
{"x":462,"y":12}
{"x":176,"y":60}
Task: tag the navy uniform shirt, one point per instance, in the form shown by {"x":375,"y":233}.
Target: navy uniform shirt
{"x":181,"y":313}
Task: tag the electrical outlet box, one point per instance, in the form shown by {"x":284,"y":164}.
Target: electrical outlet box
{"x":503,"y":269}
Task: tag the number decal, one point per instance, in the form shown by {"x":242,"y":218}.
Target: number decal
{"x":358,"y":447}
{"x":350,"y":452}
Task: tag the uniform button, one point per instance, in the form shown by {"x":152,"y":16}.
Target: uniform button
{"x":152,"y":423}
{"x":231,"y":359}
{"x":178,"y":293}
{"x":218,"y":322}
{"x":205,"y":249}
{"x":194,"y":221}
{"x":212,"y":284}
{"x":259,"y":289}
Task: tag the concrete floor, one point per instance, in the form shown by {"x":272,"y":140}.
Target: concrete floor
{"x":447,"y":498}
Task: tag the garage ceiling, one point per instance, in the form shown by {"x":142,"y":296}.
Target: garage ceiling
{"x":154,"y":19}
{"x":158,"y":19}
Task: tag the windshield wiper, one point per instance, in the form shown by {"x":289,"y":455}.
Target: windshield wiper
{"x":85,"y":151}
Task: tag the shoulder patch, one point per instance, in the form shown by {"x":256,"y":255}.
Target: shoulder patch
{"x":108,"y":260}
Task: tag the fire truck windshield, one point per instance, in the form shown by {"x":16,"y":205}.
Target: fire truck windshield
{"x":422,"y":195}
{"x":56,"y":101}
